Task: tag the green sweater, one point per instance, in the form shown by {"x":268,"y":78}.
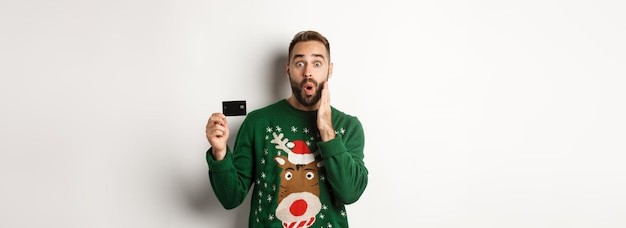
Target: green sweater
{"x":298,"y":180}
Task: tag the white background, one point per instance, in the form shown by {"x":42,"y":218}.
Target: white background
{"x":476,"y":113}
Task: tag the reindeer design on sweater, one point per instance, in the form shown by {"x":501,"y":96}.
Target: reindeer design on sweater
{"x":298,"y":196}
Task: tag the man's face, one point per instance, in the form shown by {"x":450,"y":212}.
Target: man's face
{"x":309,"y":66}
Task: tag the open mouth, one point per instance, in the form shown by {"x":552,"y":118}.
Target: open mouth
{"x":309,"y":88}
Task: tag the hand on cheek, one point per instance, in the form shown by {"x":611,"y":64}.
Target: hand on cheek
{"x":324,"y":119}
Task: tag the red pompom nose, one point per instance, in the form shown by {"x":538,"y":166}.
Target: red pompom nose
{"x":298,"y":207}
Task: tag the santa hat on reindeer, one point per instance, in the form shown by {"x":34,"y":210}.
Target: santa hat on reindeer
{"x":299,"y":153}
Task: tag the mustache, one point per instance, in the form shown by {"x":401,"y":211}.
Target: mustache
{"x":305,"y":81}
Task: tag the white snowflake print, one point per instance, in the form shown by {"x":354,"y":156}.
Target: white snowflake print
{"x":268,"y":129}
{"x":279,"y":129}
{"x":270,"y":217}
{"x":305,"y":130}
{"x":343,"y":131}
{"x":294,"y":129}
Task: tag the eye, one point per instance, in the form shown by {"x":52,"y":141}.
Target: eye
{"x":299,"y":64}
{"x":288,"y":175}
{"x":318,"y":64}
{"x":310,"y":175}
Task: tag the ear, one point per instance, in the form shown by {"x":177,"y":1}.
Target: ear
{"x":330,"y":70}
{"x":287,"y":69}
{"x":280,"y":160}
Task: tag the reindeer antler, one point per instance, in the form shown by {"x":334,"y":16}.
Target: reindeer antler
{"x":280,"y":142}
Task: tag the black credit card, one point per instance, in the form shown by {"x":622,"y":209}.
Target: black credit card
{"x":234,"y":108}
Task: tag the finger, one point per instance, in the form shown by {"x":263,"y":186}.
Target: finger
{"x":216,"y":136}
{"x":217,"y":119}
{"x":218,"y":127}
{"x":219,"y":115}
{"x":216,"y":133}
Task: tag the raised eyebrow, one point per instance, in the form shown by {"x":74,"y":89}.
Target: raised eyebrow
{"x":302,"y":56}
{"x":319,"y":56}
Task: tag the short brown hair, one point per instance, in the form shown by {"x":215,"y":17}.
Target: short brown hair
{"x":309,"y":36}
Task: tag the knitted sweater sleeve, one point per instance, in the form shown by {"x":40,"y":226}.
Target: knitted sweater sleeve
{"x":231,"y":178}
{"x":343,"y":162}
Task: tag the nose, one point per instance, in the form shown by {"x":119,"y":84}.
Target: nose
{"x":307,"y":73}
{"x":298,"y":207}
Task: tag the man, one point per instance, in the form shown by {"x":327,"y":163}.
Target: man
{"x":304,"y":157}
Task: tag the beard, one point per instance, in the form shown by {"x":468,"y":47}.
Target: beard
{"x":305,"y":99}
